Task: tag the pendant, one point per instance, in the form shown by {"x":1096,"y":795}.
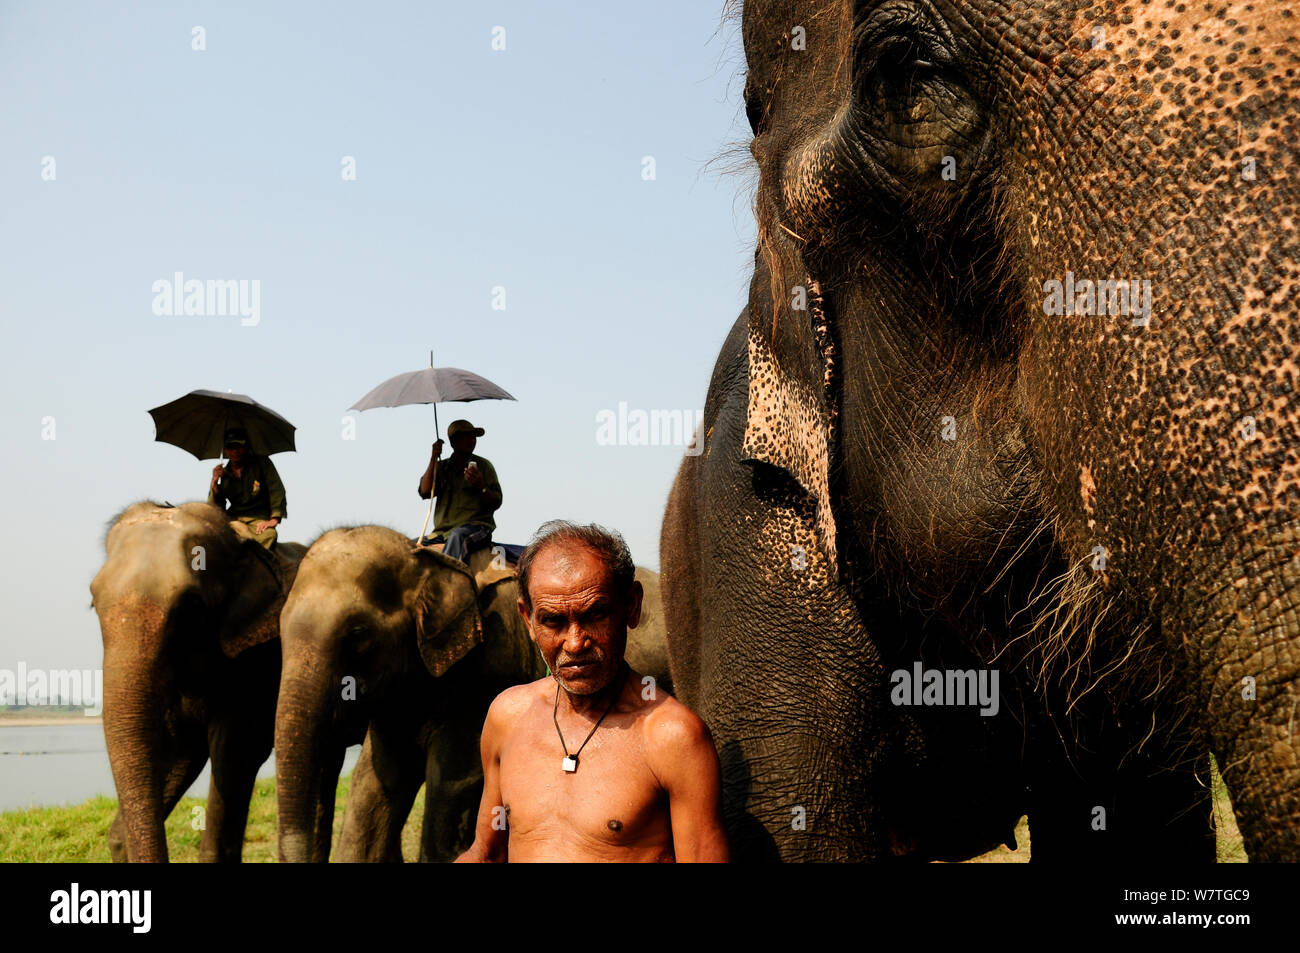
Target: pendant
{"x":570,"y":764}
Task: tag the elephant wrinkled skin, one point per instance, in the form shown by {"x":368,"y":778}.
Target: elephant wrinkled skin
{"x":1015,"y":389}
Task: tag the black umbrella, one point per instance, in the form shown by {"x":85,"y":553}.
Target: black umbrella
{"x":431,"y":385}
{"x":198,"y":423}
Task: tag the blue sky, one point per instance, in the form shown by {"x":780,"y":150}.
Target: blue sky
{"x":476,"y":169}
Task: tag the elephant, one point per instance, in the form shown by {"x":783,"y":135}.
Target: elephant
{"x":189,"y":608}
{"x":1014,"y":392}
{"x":404,"y":647}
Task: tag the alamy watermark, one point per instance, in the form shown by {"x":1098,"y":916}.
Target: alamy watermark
{"x":652,"y":428}
{"x":1114,"y":297}
{"x":81,"y":688}
{"x":181,"y":297}
{"x":933,"y":686}
{"x":133,"y":908}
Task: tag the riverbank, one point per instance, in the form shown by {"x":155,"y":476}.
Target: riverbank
{"x":24,"y":720}
{"x":79,"y":833}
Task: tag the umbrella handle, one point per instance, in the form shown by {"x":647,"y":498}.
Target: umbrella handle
{"x":419,"y":540}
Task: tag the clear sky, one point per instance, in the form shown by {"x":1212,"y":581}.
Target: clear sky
{"x":476,"y":169}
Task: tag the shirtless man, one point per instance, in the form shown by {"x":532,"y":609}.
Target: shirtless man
{"x":645,"y":784}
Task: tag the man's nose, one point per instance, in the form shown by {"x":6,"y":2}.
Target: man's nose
{"x":576,"y":640}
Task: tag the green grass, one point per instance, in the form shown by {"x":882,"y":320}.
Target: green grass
{"x":1227,"y":836}
{"x":79,"y":833}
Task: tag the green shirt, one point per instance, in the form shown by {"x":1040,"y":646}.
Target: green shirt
{"x":458,"y":502}
{"x":258,"y":492}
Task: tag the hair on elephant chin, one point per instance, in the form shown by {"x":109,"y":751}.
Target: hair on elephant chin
{"x":1081,"y":638}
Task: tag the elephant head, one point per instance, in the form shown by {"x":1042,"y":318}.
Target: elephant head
{"x":371,"y":621}
{"x":1023,"y":332}
{"x":179,"y":595}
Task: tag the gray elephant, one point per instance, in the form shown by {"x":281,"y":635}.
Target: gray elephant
{"x":189,"y":609}
{"x":1015,"y":392}
{"x":407,"y":648}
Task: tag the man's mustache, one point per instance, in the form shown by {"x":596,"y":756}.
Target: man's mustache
{"x":595,"y":655}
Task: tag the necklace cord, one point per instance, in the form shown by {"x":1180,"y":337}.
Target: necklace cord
{"x":555,"y":715}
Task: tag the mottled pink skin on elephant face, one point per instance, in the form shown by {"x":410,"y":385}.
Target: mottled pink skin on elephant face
{"x":1140,"y":142}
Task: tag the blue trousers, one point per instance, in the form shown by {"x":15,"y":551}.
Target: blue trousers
{"x":463,"y":540}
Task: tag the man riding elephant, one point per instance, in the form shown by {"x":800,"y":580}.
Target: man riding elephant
{"x":248,"y":488}
{"x":467,"y":490}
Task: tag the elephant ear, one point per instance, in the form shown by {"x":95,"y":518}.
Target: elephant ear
{"x":790,"y":419}
{"x":445,"y":609}
{"x":260,"y":581}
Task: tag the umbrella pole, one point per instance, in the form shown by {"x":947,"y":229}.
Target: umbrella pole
{"x":429,"y":512}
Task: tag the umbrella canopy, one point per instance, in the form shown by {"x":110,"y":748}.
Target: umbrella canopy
{"x":431,"y":385}
{"x":198,"y":422}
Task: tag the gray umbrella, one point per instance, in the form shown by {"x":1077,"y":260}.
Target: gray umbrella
{"x":198,"y":422}
{"x":431,"y":385}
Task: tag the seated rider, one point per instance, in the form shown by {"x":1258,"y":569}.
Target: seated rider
{"x":467,"y":491}
{"x":248,"y":488}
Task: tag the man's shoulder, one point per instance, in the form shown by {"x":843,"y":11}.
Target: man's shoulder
{"x":672,"y":727}
{"x":517,"y":699}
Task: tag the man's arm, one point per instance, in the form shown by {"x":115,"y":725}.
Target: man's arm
{"x":491,"y":832}
{"x":426,"y":481}
{"x":215,"y":496}
{"x":686,"y":763}
{"x":274,"y":490}
{"x":492,"y":496}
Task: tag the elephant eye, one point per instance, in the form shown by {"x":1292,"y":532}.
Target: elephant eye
{"x":901,"y":76}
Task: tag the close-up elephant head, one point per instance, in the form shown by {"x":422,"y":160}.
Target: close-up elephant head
{"x":1023,"y":335}
{"x":369,"y":617}
{"x":180,"y":595}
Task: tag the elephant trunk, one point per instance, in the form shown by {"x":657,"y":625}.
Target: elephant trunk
{"x":303,"y":719}
{"x":133,"y":728}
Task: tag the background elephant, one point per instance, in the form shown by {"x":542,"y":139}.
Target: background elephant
{"x":189,"y":611}
{"x":406,"y":646}
{"x":1016,"y":386}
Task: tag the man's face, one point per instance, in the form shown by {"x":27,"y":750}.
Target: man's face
{"x":464,"y":443}
{"x":235,"y":454}
{"x":578,"y":620}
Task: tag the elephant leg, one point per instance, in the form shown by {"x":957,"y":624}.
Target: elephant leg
{"x":117,"y":838}
{"x":453,"y":789}
{"x":331,"y":767}
{"x":238,"y":749}
{"x":385,"y":781}
{"x":1113,"y":800}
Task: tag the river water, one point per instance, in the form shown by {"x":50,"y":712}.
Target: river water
{"x":43,"y":765}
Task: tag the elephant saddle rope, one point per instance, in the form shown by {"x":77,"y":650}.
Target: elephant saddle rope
{"x":570,"y":762}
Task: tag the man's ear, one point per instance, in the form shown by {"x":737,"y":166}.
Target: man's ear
{"x":444,"y":606}
{"x":635,"y":596}
{"x":526,"y":616}
{"x":258,"y":582}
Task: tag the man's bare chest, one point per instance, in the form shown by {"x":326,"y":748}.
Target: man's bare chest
{"x":612,"y":798}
